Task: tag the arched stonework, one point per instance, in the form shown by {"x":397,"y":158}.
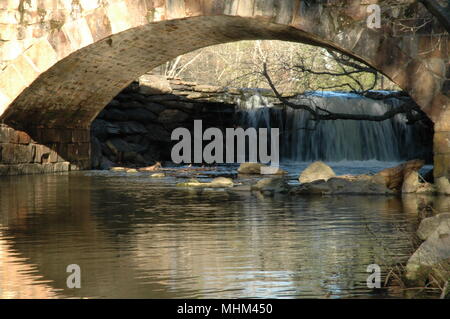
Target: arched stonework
{"x":63,"y":61}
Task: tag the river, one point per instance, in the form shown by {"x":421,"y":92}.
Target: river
{"x":138,"y":237}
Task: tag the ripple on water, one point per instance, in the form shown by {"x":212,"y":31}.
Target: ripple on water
{"x":138,"y":237}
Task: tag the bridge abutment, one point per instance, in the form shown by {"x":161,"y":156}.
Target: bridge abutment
{"x":43,"y":150}
{"x":442,"y":146}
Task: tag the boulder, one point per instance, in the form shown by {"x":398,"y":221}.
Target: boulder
{"x":411,"y":183}
{"x":152,"y":168}
{"x":443,"y":186}
{"x":429,"y":225}
{"x":131,"y":170}
{"x":316,"y":171}
{"x":319,"y":187}
{"x":351,"y":185}
{"x":394,"y":176}
{"x":432,"y":257}
{"x":259,"y":169}
{"x":158,"y":175}
{"x":426,"y":188}
{"x":275,"y":185}
{"x":118,"y":169}
{"x":220,"y":182}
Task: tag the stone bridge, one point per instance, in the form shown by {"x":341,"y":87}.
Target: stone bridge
{"x":62,"y":61}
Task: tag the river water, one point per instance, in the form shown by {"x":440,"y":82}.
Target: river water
{"x":138,"y":237}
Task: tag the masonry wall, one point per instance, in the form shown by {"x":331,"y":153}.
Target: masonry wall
{"x":59,"y":150}
{"x":134,"y":129}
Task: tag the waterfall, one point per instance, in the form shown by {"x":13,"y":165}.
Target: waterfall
{"x":333,"y":141}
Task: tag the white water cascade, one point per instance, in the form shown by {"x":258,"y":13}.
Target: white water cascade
{"x":304,"y":140}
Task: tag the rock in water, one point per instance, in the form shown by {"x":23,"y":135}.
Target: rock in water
{"x":351,"y":185}
{"x":152,"y":168}
{"x":411,"y":183}
{"x":429,"y":225}
{"x":394,"y":176}
{"x":158,"y":175}
{"x":221,"y":182}
{"x":432,"y":257}
{"x":259,"y":169}
{"x":316,"y":171}
{"x":276,"y":185}
{"x":443,"y":186}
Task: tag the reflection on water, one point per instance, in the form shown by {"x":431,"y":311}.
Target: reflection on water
{"x":135,"y":237}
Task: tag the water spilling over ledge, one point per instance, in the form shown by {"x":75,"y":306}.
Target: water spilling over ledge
{"x":302,"y":139}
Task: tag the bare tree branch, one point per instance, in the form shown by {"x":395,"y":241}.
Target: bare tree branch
{"x":412,"y":112}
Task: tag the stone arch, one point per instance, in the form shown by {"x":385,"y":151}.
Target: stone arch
{"x":56,"y":87}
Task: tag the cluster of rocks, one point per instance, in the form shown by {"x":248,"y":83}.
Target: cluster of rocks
{"x":134,"y":129}
{"x":319,"y":178}
{"x":433,"y":255}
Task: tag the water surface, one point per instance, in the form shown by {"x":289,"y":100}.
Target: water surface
{"x":138,"y":237}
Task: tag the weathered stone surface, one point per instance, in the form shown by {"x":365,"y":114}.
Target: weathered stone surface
{"x":411,"y":182}
{"x":394,"y":176}
{"x":443,"y":186}
{"x":352,"y":185}
{"x":220,"y":182}
{"x":316,"y":171}
{"x":152,"y":85}
{"x":259,"y":169}
{"x":432,"y":257}
{"x":158,"y":175}
{"x":275,"y":185}
{"x":429,"y":225}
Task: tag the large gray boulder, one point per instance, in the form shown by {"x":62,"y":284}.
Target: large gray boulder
{"x":432,"y":257}
{"x":316,"y":171}
{"x":429,"y":225}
